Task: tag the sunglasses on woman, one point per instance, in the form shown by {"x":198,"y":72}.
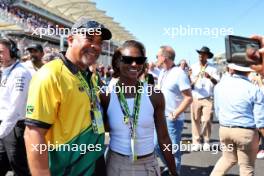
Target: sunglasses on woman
{"x":129,"y":60}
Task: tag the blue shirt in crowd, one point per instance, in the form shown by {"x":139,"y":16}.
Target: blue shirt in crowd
{"x":239,"y":103}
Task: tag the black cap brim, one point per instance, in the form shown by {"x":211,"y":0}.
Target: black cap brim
{"x":35,"y":47}
{"x":32,"y":48}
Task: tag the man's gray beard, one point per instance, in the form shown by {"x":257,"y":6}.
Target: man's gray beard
{"x":85,"y":61}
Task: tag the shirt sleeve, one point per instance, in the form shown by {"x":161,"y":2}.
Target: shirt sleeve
{"x":43,"y":100}
{"x":258,"y":109}
{"x":195,"y":72}
{"x":183,"y":81}
{"x":18,"y":96}
{"x":215,"y":75}
{"x":216,"y":103}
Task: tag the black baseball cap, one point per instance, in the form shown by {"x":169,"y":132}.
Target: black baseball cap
{"x":87,"y":23}
{"x":35,"y":46}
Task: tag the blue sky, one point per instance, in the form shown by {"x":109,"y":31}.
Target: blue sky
{"x":153,"y":21}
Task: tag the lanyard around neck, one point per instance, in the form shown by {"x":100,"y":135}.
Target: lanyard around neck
{"x":89,"y":89}
{"x":124,"y":106}
{"x":130,"y":120}
{"x":202,"y":71}
{"x":146,"y":78}
{"x":202,"y":68}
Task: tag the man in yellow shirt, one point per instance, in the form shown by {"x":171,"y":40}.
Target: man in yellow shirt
{"x":64,"y":133}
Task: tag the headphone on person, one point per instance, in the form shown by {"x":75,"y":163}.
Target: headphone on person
{"x":12,"y":46}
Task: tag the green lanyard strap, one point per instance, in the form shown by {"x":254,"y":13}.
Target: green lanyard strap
{"x":124,"y":106}
{"x":146,"y":79}
{"x":90,"y":91}
{"x":130,"y":120}
{"x":202,"y":70}
{"x":96,"y":110}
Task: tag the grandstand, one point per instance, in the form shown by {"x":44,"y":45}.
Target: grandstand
{"x":20,"y":19}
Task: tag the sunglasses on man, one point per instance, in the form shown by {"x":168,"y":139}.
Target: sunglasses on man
{"x":129,"y":60}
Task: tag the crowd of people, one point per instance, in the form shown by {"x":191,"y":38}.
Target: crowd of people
{"x":53,"y":104}
{"x":32,"y":20}
{"x":35,"y":22}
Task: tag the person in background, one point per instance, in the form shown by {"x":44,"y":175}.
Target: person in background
{"x":107,"y":75}
{"x":35,"y":63}
{"x":184,"y":65}
{"x":260,"y":70}
{"x":239,"y":107}
{"x":203,"y":79}
{"x":14,"y":83}
{"x":115,"y":75}
{"x":154,"y":69}
{"x":144,"y":76}
{"x":260,"y":67}
{"x":175,"y":85}
{"x":257,"y":80}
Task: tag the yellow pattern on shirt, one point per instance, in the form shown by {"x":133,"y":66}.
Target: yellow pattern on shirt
{"x":57,"y":98}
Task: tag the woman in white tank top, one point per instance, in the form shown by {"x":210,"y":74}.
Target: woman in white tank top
{"x":133,"y":111}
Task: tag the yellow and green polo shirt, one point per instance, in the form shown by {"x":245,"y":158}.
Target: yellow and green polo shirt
{"x":59,"y":103}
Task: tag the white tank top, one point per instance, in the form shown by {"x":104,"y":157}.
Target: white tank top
{"x":120,"y":132}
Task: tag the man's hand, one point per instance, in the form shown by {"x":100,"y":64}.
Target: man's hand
{"x":193,"y":82}
{"x":173,"y":115}
{"x":186,"y":101}
{"x":208,"y":76}
{"x":260,"y":67}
